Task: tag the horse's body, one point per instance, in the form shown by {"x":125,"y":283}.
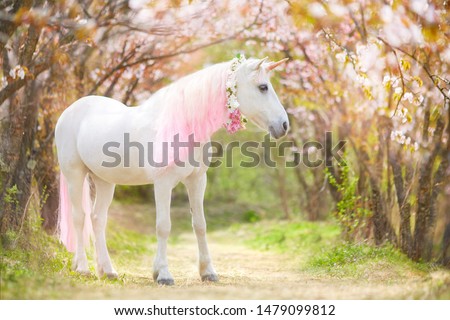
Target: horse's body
{"x":192,"y":105}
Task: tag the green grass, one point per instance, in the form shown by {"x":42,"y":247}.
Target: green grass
{"x":127,"y":244}
{"x":35,"y":265}
{"x":288,"y":236}
{"x":25,"y":266}
{"x":362,"y":260}
{"x":319,"y":250}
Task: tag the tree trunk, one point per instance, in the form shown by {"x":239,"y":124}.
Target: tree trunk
{"x":446,"y":246}
{"x":403,"y":204}
{"x":49,"y":197}
{"x":425,"y":216}
{"x":18,"y":144}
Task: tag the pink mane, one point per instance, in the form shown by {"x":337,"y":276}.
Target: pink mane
{"x":194,"y":104}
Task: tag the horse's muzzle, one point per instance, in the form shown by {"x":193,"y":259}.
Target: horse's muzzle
{"x":279,"y":130}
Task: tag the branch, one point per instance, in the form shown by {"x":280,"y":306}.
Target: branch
{"x":19,"y":83}
{"x":425,"y":66}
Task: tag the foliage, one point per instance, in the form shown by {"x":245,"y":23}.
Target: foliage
{"x":350,"y":212}
{"x":11,"y":195}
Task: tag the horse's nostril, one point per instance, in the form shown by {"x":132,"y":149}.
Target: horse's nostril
{"x":285,"y":126}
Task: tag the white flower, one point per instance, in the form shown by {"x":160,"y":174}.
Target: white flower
{"x":338,"y":10}
{"x":317,"y":10}
{"x":341,"y":56}
{"x":236,"y":120}
{"x":416,"y":34}
{"x":17,"y":72}
{"x":446,"y":55}
{"x":408,"y":141}
{"x":137,"y":4}
{"x":408,"y":96}
{"x":386,"y":14}
{"x":393,"y":135}
{"x":420,"y":99}
{"x":419,"y":6}
{"x":3,"y":83}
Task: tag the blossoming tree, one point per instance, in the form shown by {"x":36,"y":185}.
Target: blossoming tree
{"x":376,"y":74}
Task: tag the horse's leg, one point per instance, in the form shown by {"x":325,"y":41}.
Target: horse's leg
{"x":196,"y":186}
{"x":75,"y":180}
{"x":163,"y":193}
{"x":104,"y":195}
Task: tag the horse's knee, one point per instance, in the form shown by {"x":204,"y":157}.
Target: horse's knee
{"x":78,"y":217}
{"x":163,"y":228}
{"x":199,"y":228}
{"x":98,"y":221}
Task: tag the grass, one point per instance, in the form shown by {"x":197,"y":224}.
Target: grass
{"x":292,"y":236}
{"x":320,"y":251}
{"x":36,"y":266}
{"x":27,"y":267}
{"x":362,"y":260}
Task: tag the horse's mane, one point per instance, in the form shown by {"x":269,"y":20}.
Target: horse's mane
{"x":194,"y":104}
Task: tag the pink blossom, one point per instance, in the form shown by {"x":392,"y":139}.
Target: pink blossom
{"x":235,"y":123}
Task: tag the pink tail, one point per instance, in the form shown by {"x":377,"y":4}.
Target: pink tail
{"x":66,"y":229}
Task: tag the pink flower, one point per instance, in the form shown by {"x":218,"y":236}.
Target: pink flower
{"x":235,"y":123}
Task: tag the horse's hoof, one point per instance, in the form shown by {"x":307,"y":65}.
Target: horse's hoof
{"x":210,"y":278}
{"x":166,"y":282}
{"x":112,"y":275}
{"x":84,"y":273}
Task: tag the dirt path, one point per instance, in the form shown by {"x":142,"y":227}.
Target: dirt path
{"x":250,"y":274}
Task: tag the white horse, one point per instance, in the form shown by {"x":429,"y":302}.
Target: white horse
{"x":195,"y":104}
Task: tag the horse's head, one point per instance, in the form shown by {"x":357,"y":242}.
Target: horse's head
{"x":257,"y":98}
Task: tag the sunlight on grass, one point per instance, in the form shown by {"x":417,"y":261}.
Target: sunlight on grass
{"x":319,"y":250}
{"x":288,"y":236}
{"x":362,"y":260}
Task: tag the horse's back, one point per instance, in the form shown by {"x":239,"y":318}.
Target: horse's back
{"x":70,"y":123}
{"x":92,"y":105}
{"x":94,"y":124}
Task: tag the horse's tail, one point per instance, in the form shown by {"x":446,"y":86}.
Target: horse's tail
{"x":65,"y":223}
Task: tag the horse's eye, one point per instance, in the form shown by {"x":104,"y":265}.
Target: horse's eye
{"x":263,"y":87}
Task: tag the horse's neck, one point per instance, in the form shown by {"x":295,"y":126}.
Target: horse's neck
{"x":195,"y":104}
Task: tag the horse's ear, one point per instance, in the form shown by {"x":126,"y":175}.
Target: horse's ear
{"x":260,"y":63}
{"x":273,"y":65}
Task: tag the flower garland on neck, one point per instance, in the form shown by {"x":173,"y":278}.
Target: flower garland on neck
{"x":236,"y":120}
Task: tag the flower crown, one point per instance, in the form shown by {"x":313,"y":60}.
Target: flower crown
{"x":236,"y":120}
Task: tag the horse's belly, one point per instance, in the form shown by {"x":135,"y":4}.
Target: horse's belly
{"x":116,"y":165}
{"x":124,"y":176}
